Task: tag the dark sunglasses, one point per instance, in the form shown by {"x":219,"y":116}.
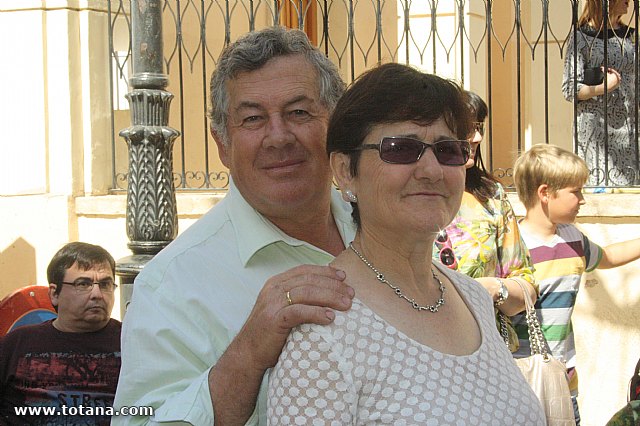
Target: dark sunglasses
{"x":404,"y":150}
{"x":478,"y":126}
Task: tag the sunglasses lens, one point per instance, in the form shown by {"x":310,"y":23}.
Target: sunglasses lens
{"x":451,"y":153}
{"x":442,"y":237}
{"x":400,"y":150}
{"x":447,"y":257}
{"x":406,"y":151}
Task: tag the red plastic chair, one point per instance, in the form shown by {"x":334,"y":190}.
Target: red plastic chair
{"x":25,"y":306}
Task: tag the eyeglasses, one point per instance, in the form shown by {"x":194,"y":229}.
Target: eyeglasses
{"x":85,"y":285}
{"x":478,"y":126}
{"x":404,"y":150}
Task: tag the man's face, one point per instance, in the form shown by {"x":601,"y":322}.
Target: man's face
{"x":80,"y":312}
{"x":277,"y":131}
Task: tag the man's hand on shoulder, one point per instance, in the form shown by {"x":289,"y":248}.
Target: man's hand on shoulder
{"x":304,"y":294}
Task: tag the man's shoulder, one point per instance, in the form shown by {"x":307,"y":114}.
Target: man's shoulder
{"x":203,"y":229}
{"x":113,"y":326}
{"x":40,"y":331}
{"x":25,"y":335}
{"x":213,"y":228}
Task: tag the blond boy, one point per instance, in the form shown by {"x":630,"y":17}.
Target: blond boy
{"x":549,"y":181}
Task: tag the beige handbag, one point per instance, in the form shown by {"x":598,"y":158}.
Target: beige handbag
{"x":546,"y":375}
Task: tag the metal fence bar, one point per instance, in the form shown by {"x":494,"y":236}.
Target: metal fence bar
{"x":461,"y":29}
{"x":545,"y":29}
{"x":489,"y":26}
{"x":518,"y":25}
{"x":574,"y":29}
{"x":434,"y":25}
{"x":114,"y":184}
{"x":203,"y":58}
{"x":605,"y":16}
{"x":183,"y":132}
{"x":636,"y":67}
{"x":351,"y":38}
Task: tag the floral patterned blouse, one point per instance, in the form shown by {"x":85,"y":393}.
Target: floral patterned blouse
{"x":486,"y":242}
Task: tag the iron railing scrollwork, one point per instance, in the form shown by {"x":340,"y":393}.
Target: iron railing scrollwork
{"x":459,"y":38}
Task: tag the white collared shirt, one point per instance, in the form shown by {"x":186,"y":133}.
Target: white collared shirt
{"x":191,"y":300}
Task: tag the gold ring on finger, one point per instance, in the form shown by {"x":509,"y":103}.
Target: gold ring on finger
{"x":289,"y":301}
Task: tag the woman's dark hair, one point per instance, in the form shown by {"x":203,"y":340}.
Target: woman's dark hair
{"x":479,"y":182}
{"x":86,"y":255}
{"x":477,"y":106}
{"x":393,"y":93}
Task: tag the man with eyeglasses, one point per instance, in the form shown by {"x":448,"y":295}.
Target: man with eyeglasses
{"x":70,"y":364}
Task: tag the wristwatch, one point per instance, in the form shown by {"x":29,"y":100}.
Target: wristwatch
{"x":503,"y":293}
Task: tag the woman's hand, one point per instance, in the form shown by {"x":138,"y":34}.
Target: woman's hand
{"x":515,"y":302}
{"x":612,"y":78}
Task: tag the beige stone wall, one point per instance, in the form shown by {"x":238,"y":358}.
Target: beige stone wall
{"x":606,"y":321}
{"x":55,"y":117}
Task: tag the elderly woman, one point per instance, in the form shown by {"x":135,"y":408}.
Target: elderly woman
{"x":419,"y":344}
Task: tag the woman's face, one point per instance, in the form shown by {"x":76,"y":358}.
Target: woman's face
{"x":478,"y":135}
{"x":618,"y":8}
{"x":406,"y":199}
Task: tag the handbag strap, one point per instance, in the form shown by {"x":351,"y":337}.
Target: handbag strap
{"x":536,"y":339}
{"x":504,"y":332}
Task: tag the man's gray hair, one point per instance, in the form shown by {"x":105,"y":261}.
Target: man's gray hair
{"x":251,"y":52}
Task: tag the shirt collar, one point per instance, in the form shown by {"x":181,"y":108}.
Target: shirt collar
{"x":254,"y":232}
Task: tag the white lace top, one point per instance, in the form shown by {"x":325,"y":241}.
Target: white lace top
{"x":360,"y":370}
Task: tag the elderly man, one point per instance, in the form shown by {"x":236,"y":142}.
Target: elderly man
{"x":210,"y":314}
{"x":65,"y":371}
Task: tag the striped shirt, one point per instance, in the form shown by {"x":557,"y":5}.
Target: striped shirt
{"x":559,"y":265}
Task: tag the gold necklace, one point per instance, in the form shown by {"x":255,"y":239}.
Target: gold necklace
{"x":380,"y":277}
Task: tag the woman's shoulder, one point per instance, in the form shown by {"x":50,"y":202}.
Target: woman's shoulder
{"x":497,"y":203}
{"x":622,"y":31}
{"x":340,"y":328}
{"x":475,"y":294}
{"x":346,"y":343}
{"x":588,"y":30}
